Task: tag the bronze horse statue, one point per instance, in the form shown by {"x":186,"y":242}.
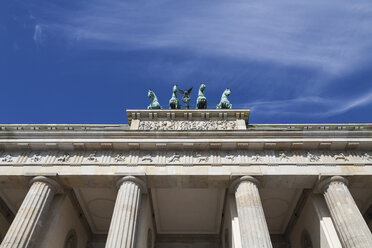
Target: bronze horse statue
{"x":174,"y":103}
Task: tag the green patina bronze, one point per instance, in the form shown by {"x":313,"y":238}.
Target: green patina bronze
{"x":201,"y":101}
{"x":225,"y":103}
{"x":154,"y":101}
{"x":174,"y":103}
{"x":186,"y":97}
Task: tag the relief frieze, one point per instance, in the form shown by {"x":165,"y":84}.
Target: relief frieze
{"x":136,"y":157}
{"x":187,"y":125}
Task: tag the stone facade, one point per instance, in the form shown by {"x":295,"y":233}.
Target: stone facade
{"x":186,"y":178}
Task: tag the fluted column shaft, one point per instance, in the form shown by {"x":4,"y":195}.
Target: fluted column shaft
{"x":29,"y":219}
{"x":349,"y":223}
{"x":253,"y":227}
{"x":123,"y":225}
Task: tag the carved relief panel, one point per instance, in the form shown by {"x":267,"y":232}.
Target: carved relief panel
{"x":205,"y":157}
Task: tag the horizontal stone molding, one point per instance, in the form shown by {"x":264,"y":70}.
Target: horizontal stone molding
{"x":188,"y":157}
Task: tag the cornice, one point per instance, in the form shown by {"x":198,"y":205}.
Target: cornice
{"x":108,"y":128}
{"x":61,"y":127}
{"x":331,"y":140}
{"x":186,"y":129}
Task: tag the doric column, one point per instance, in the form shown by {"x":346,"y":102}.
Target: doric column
{"x":349,"y":223}
{"x":29,"y":219}
{"x":253,"y":227}
{"x":124,"y":219}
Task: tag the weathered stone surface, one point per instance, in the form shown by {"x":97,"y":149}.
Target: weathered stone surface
{"x":349,"y":223}
{"x":156,"y":157}
{"x":122,"y":230}
{"x":187,"y":166}
{"x":253,"y":227}
{"x":29,"y":219}
{"x":187,"y":119}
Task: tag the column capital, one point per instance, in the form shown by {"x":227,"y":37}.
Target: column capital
{"x":239,"y":180}
{"x":323,"y":185}
{"x":51,"y":182}
{"x":133,"y":179}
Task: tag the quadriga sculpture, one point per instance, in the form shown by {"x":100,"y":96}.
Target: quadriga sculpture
{"x":225,"y":103}
{"x":154,"y":101}
{"x":174,"y":103}
{"x":201,"y":101}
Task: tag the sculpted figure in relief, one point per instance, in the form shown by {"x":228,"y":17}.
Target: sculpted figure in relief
{"x":175,"y":158}
{"x":8,"y":158}
{"x":147,"y":157}
{"x":313,"y":157}
{"x":171,"y":125}
{"x":226,"y":125}
{"x":163,"y":125}
{"x":231,"y":125}
{"x":119,"y":158}
{"x":149,"y":125}
{"x":341,"y":156}
{"x":154,"y":101}
{"x":64,"y":158}
{"x":230,"y":157}
{"x":256,"y":157}
{"x":201,"y":101}
{"x":283,"y":156}
{"x":225,"y":103}
{"x":201,"y":158}
{"x":183,"y":125}
{"x":36,"y":158}
{"x":92,"y":157}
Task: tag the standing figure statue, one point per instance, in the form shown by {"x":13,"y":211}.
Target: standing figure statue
{"x":225,"y":103}
{"x":174,"y":103}
{"x":201,"y":101}
{"x":186,"y":97}
{"x":154,"y":101}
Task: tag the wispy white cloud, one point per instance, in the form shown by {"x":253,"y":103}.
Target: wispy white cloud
{"x":324,"y":39}
{"x":316,"y":106}
{"x":329,"y":35}
{"x":38,"y":34}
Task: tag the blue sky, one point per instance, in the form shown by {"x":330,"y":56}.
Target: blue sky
{"x":86,"y":61}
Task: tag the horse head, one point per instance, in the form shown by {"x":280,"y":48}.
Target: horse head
{"x":150,"y":94}
{"x":227,"y":92}
{"x":175,"y":89}
{"x":202,"y":87}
